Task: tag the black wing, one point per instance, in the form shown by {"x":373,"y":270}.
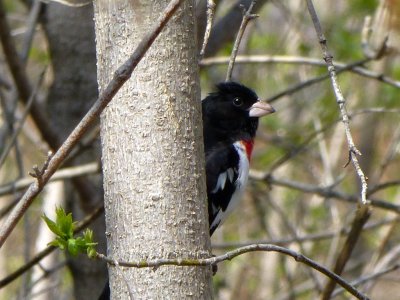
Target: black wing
{"x":222,"y":173}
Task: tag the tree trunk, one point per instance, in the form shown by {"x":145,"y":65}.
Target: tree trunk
{"x":153,"y":168}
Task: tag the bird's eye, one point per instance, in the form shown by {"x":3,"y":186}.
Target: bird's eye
{"x":237,"y":101}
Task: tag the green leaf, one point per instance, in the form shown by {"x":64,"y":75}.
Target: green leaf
{"x":63,"y":227}
{"x":54,"y":243}
{"x":63,"y":244}
{"x":64,"y":222}
{"x":52,"y":226}
{"x":91,"y":252}
{"x":73,"y":247}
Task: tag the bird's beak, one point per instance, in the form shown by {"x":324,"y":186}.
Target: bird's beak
{"x":260,"y":109}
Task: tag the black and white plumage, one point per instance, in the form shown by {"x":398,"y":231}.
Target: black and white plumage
{"x":230,"y":121}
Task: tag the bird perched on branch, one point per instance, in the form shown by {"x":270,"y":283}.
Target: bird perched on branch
{"x":230,"y":121}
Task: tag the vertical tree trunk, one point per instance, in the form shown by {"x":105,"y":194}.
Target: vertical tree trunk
{"x":151,"y":133}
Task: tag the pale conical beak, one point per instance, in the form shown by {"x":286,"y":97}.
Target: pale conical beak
{"x":260,"y":109}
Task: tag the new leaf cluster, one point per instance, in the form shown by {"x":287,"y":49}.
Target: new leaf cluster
{"x":64,"y":228}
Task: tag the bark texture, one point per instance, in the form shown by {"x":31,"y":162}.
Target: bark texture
{"x":151,"y":134}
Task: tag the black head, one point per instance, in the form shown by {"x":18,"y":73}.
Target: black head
{"x":233,"y":111}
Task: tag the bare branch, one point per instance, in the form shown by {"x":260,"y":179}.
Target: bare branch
{"x":326,"y":192}
{"x":247,"y":17}
{"x":22,"y":83}
{"x":18,"y":128}
{"x":353,"y":151}
{"x":361,"y":217}
{"x":305,"y":238}
{"x":365,"y":41}
{"x":368,"y":278}
{"x":65,"y":173}
{"x":31,"y":27}
{"x":38,"y":173}
{"x":354,"y":67}
{"x":210,"y":19}
{"x":156,"y":263}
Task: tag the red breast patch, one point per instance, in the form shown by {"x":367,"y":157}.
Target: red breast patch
{"x":248,"y":145}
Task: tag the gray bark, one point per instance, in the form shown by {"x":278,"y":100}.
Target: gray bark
{"x":153,"y":167}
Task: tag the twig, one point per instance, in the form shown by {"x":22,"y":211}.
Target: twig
{"x":365,"y":41}
{"x":22,"y":83}
{"x":326,"y":192}
{"x":382,"y":186}
{"x":31,"y":26}
{"x":305,"y":238}
{"x":391,"y":154}
{"x":247,"y":17}
{"x":354,"y":67}
{"x":361,"y":217}
{"x":232,"y":254}
{"x":124,"y":278}
{"x":210,"y":19}
{"x":120,"y":77}
{"x":353,"y":151}
{"x":220,"y":36}
{"x":42,"y":254}
{"x":65,"y":173}
{"x":46,"y":273}
{"x":18,"y":128}
{"x":38,"y":173}
{"x":294,"y":150}
{"x":293,"y":231}
{"x":368,"y":278}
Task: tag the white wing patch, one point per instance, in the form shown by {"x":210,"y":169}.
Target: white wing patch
{"x":228,"y":174}
{"x":241,"y":181}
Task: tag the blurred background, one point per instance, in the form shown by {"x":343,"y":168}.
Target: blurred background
{"x":302,"y":192}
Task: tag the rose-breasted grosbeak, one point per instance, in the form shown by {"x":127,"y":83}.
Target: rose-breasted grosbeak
{"x":230,"y":121}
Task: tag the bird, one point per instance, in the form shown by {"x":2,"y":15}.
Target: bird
{"x":230,"y":120}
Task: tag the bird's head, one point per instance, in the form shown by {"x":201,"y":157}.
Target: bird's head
{"x":235,"y":107}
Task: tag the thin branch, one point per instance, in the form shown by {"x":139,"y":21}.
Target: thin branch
{"x":382,"y":186}
{"x":293,"y":231}
{"x":123,"y":73}
{"x":21,"y":122}
{"x":31,"y":27}
{"x":293,"y":150}
{"x":305,"y":238}
{"x":65,"y":173}
{"x":354,"y":67}
{"x":326,"y":192}
{"x":309,"y":82}
{"x":22,"y":83}
{"x":210,"y":19}
{"x":368,"y":278}
{"x":42,"y":254}
{"x":38,"y":173}
{"x":390,"y":155}
{"x":247,"y":17}
{"x":365,"y":40}
{"x":353,"y":151}
{"x":156,"y":263}
{"x":362,"y":215}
